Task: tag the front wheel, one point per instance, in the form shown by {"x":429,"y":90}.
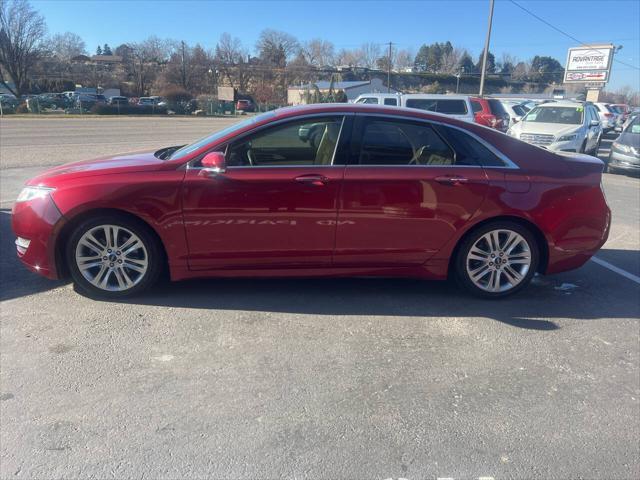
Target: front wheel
{"x":113,"y":257}
{"x":497,"y":260}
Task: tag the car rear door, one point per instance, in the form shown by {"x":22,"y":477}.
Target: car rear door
{"x":404,"y":193}
{"x":275,"y":206}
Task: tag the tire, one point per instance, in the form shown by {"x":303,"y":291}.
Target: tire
{"x":104,"y":269}
{"x":511,"y":277}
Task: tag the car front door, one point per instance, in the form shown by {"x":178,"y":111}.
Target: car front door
{"x":276,"y":203}
{"x":405,"y":194}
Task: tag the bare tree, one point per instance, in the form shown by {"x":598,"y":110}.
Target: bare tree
{"x":230,"y":58}
{"x":351,"y":58}
{"x":22,"y":31}
{"x":369,"y":54}
{"x":402,"y":60}
{"x":144,"y":61}
{"x":318,"y":52}
{"x":451,"y":61}
{"x":67,"y":45}
{"x":277,"y":47}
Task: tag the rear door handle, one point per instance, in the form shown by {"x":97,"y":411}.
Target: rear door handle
{"x":452,"y":180}
{"x":317,"y":180}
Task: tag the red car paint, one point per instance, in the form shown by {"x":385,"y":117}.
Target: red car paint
{"x":350,"y":220}
{"x":490,"y":113}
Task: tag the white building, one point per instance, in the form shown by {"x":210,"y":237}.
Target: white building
{"x":296,"y":94}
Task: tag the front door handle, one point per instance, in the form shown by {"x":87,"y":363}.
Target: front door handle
{"x":317,"y":180}
{"x":452,"y":180}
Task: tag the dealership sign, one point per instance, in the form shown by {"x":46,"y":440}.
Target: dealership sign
{"x":588,"y":64}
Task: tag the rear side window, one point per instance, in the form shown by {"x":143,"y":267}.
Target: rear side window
{"x":497,"y":108}
{"x":476,"y":106}
{"x":469,"y":151}
{"x":390,"y":101}
{"x":397,"y":143}
{"x":447,"y":106}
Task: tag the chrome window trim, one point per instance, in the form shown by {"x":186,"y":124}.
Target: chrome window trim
{"x":224,"y":146}
{"x":508,"y":162}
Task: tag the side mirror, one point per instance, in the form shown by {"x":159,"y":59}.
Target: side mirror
{"x":213,"y":164}
{"x":594,"y":123}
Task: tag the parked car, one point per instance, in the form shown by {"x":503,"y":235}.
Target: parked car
{"x":118,"y":100}
{"x":490,"y":113}
{"x":622,"y":114}
{"x":625,"y":150}
{"x":245,"y":106}
{"x":52,"y":100}
{"x":563,"y":126}
{"x":606,"y":115}
{"x":515,"y":110}
{"x":386,"y":191}
{"x":152,"y":101}
{"x":86,"y":101}
{"x":8,"y":102}
{"x":392,"y":99}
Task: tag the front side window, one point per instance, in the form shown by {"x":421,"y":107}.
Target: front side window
{"x":368,"y":100}
{"x":397,"y":143}
{"x":297,"y":143}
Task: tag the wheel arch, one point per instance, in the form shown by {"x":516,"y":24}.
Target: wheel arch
{"x":67,"y":229}
{"x":541,"y":240}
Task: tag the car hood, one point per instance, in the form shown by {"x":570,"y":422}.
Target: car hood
{"x":124,"y":163}
{"x":556,"y":129}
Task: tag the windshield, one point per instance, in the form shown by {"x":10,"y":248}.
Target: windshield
{"x":563,"y":115}
{"x":186,"y":150}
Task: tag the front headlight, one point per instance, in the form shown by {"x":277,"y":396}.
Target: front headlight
{"x":620,"y":147}
{"x":32,"y":193}
{"x":512,"y":133}
{"x":568,"y":138}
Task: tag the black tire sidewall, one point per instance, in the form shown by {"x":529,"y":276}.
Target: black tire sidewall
{"x":154,"y":254}
{"x":461,"y":274}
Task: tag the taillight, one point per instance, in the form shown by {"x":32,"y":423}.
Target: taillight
{"x":608,"y":115}
{"x":493,"y":121}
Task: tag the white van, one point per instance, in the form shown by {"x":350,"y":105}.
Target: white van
{"x":457,"y":106}
{"x":392,"y":99}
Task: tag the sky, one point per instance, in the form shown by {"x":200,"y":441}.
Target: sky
{"x":348,"y":24}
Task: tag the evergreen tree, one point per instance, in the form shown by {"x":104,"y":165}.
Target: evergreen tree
{"x":99,"y":50}
{"x":106,"y":50}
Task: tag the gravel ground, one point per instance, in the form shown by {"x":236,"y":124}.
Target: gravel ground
{"x":347,"y":378}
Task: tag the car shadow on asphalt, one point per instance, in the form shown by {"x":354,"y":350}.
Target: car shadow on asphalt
{"x":572,"y":295}
{"x":15,"y":279}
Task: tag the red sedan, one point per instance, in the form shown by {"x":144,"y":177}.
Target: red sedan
{"x":320,"y":190}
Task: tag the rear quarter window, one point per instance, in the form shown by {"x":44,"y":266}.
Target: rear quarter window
{"x":469,"y":151}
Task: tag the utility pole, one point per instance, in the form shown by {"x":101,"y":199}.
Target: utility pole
{"x":486,"y":48}
{"x":389,"y":70}
{"x":184,"y":71}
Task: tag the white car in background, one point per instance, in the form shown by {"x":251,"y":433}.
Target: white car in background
{"x":457,"y":106}
{"x":515,"y":109}
{"x":561,"y":126}
{"x":607,"y":116}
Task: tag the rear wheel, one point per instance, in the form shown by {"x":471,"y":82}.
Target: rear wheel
{"x":497,"y":260}
{"x":113,"y":257}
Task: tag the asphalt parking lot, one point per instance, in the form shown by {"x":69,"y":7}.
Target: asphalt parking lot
{"x":348,"y":378}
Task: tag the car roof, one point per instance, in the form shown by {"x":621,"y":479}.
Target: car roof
{"x":319,"y":108}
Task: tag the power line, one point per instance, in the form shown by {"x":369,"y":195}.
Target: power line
{"x":565,"y":33}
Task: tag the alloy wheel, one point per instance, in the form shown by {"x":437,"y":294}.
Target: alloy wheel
{"x":111,"y":258}
{"x":498,"y":261}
